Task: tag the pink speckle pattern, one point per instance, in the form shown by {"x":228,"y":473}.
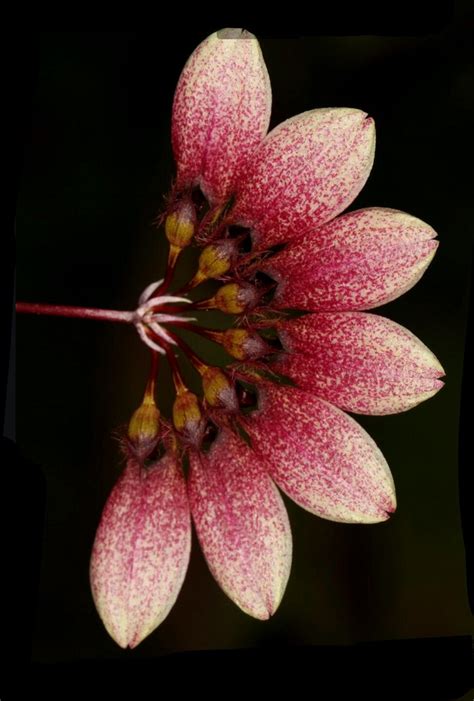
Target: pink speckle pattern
{"x":288,"y":187}
{"x":320,"y":457}
{"x":360,"y":362}
{"x":307,"y":170}
{"x":358,"y":261}
{"x":221,"y":112}
{"x":141,"y":550}
{"x":242,"y":524}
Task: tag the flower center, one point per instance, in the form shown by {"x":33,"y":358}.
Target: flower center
{"x":237,"y":318}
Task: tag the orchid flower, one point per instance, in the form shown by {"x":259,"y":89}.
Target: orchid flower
{"x":296,"y":278}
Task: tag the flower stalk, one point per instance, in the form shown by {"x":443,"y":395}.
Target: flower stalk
{"x":74,"y":312}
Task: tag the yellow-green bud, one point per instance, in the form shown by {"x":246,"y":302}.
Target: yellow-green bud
{"x":180,"y":224}
{"x":244,"y":345}
{"x":187,"y":417}
{"x":218,"y":390}
{"x":235,"y":298}
{"x":216,"y":259}
{"x":144,"y":428}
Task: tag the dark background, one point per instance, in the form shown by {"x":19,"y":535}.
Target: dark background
{"x":97,"y":163}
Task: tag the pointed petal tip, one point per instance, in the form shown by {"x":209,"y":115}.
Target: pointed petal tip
{"x":381,"y":515}
{"x":117,"y":632}
{"x":391,"y":507}
{"x":259,"y":614}
{"x":129,"y":640}
{"x":388,"y":512}
{"x":136,"y":640}
{"x":352,"y":113}
{"x":369,"y":122}
{"x":264,"y":608}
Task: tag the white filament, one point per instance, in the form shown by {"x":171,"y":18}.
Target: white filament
{"x":147,"y":317}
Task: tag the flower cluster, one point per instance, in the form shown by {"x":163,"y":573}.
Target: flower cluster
{"x":295,"y":279}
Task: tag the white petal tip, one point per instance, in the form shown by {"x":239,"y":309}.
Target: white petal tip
{"x":381,"y":517}
{"x":261,"y":613}
{"x":136,"y":640}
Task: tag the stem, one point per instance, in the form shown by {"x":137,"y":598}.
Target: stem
{"x":210,"y":334}
{"x":179,"y":385}
{"x":75,"y":312}
{"x":204,"y":304}
{"x":150,"y":387}
{"x":194,"y":359}
{"x":173,"y":254}
{"x":185,"y":288}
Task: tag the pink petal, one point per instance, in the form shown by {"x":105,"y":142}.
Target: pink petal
{"x":242,"y":525}
{"x":308,"y":170}
{"x":141,"y":550}
{"x":358,"y":261}
{"x":221,"y":112}
{"x":321,"y":457}
{"x":361,"y":362}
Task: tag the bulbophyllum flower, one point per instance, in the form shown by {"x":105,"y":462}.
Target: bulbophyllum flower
{"x":295,"y":278}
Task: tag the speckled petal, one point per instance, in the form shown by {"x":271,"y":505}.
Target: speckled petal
{"x":361,"y":362}
{"x":221,"y":112}
{"x":320,"y":457}
{"x":358,"y":261}
{"x":307,"y":170}
{"x":141,"y":550}
{"x":242,"y":525}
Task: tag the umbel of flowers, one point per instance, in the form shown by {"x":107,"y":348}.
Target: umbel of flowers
{"x":296,"y":280}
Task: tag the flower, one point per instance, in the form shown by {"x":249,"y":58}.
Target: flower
{"x":296,"y":278}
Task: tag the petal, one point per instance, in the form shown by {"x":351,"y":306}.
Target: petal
{"x":320,"y":457}
{"x":141,"y":550}
{"x":361,"y":362}
{"x":358,"y":261}
{"x":242,"y":525}
{"x":221,"y":112}
{"x":307,"y":170}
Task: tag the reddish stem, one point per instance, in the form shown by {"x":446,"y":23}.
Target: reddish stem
{"x":150,"y":386}
{"x":185,"y":288}
{"x":194,"y":359}
{"x":210,"y":334}
{"x":75,"y":312}
{"x":204,"y":304}
{"x":175,"y":371}
{"x":168,"y":276}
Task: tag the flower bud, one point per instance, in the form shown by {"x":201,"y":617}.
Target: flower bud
{"x":187,"y":417}
{"x":243,"y":344}
{"x":235,"y":298}
{"x":216,"y":259}
{"x":180,"y":222}
{"x":144,"y":427}
{"x":218,"y":390}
